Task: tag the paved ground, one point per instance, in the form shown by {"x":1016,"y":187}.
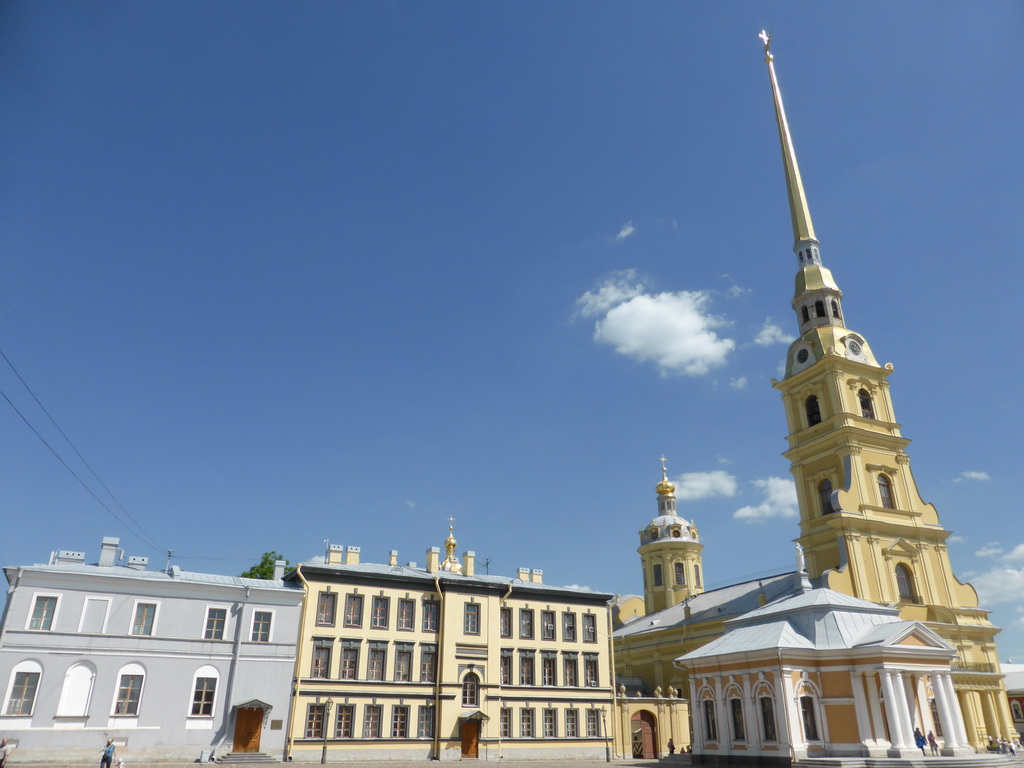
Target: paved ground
{"x":677,"y":761}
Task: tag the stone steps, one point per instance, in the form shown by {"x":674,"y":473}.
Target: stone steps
{"x":238,"y":758}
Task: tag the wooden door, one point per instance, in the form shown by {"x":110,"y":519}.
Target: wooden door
{"x":470,"y":738}
{"x":645,"y":733}
{"x":248,"y":725}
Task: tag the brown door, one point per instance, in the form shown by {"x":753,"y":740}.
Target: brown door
{"x":645,"y":732}
{"x":248,"y":724}
{"x":470,"y":738}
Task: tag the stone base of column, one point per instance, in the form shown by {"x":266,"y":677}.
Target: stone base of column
{"x":957,"y":751}
{"x":903,"y":752}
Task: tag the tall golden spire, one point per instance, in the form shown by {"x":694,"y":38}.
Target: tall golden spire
{"x":803,"y":229}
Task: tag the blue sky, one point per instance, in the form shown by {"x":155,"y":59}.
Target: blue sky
{"x":287,"y":272}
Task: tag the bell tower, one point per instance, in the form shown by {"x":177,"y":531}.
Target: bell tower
{"x":864,"y":527}
{"x":669,"y":553}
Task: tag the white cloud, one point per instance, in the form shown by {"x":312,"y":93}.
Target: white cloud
{"x":738,"y":383}
{"x":1019,"y":622}
{"x":411,"y":504}
{"x":1000,"y":585}
{"x":705,"y":485}
{"x":972,"y":476}
{"x":673,"y":330}
{"x":1014,"y":555}
{"x":779,"y":501}
{"x":735,"y":291}
{"x":627,"y":230}
{"x":772,"y":334}
{"x":956,"y":539}
{"x":992,"y":549}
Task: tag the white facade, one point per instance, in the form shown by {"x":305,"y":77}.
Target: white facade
{"x":168,"y":664}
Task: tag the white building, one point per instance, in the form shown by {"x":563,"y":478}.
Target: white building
{"x":169,"y":664}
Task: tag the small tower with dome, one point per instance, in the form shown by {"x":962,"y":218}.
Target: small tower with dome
{"x":669,"y":553}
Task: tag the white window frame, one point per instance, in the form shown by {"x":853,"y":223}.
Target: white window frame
{"x":85,"y":611}
{"x":63,"y":703}
{"x":33,"y":667}
{"x":206,"y":620}
{"x":134,"y":668}
{"x":32,"y":610}
{"x":135,"y":612}
{"x":207,"y":670}
{"x":273,"y":624}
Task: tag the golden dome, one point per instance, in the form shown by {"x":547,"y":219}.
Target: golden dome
{"x":666,"y":487}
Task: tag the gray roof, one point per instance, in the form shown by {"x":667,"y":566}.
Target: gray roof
{"x":1014,"y":673}
{"x":174,"y":574}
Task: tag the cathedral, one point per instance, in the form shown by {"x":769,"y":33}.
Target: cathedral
{"x":865,"y":533}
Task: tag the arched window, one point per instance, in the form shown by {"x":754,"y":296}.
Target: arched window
{"x":819,"y":309}
{"x":77,"y":690}
{"x":835,"y":308}
{"x":1018,"y":712}
{"x":885,"y":492}
{"x":867,"y":408}
{"x":696,"y":575}
{"x":809,"y":719}
{"x":768,"y":718}
{"x":825,"y":495}
{"x":680,"y":574}
{"x":128,"y":697}
{"x":204,"y":691}
{"x":471,"y":690}
{"x":710,"y":721}
{"x":905,"y":584}
{"x":813,"y":411}
{"x":736,"y":712}
{"x":21,"y":690}
{"x":806,"y":314}
{"x":656,"y":571}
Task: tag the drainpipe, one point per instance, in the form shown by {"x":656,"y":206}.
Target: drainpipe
{"x":7,"y":605}
{"x":611,"y":673}
{"x":298,"y":660}
{"x":440,"y":667}
{"x":236,"y":652}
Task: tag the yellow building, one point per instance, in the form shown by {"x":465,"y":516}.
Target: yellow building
{"x":439,"y":662}
{"x":864,"y":529}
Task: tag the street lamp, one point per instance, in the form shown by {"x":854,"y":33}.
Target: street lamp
{"x":607,"y":743}
{"x":327,"y":717}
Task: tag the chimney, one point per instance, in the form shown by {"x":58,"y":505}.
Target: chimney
{"x":537,"y":576}
{"x":279,"y":566}
{"x":334,"y":554}
{"x":108,"y":550}
{"x":393,"y":557}
{"x":433,"y":554}
{"x":762,"y":598}
{"x":137,"y":563}
{"x":523,"y":574}
{"x":468,"y":562}
{"x":63,"y":556}
{"x":352,"y":555}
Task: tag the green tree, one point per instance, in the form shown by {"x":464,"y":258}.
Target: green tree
{"x":264,"y":569}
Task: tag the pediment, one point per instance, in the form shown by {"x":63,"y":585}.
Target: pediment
{"x":917,"y":635}
{"x":902,"y":548}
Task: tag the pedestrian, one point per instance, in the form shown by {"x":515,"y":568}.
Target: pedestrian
{"x":107,"y":758}
{"x":920,"y":740}
{"x":933,"y":743}
{"x":671,"y":747}
{"x":5,"y":750}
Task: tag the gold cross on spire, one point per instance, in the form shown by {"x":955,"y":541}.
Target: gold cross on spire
{"x":664,"y":468}
{"x":766,"y":37}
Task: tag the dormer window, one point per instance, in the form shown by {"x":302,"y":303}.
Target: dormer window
{"x":654,"y":534}
{"x":813,"y":411}
{"x":676,"y":533}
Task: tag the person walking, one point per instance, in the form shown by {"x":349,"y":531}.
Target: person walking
{"x":920,"y":740}
{"x":107,"y":757}
{"x":933,"y":743}
{"x":5,"y":749}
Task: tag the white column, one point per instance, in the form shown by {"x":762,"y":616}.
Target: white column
{"x":722,"y":717}
{"x":926,"y":710}
{"x":949,"y":734}
{"x":750,"y":714}
{"x":796,"y":738}
{"x":903,"y":706}
{"x":892,"y":712}
{"x":697,"y":713}
{"x":877,"y":726}
{"x":954,"y":709}
{"x":781,"y":714}
{"x":910,"y":692}
{"x":860,"y":706}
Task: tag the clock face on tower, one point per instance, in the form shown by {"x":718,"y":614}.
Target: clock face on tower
{"x":802,"y":355}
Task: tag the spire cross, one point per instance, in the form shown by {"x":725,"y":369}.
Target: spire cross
{"x":767,"y":38}
{"x":664,"y":469}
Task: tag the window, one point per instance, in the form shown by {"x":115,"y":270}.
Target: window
{"x":377,"y":661}
{"x":77,"y":691}
{"x":593,"y":724}
{"x":1018,"y":713}
{"x":526,"y":668}
{"x":736,"y":710}
{"x":680,"y":574}
{"x":885,"y":492}
{"x":572,"y":723}
{"x":321,"y":667}
{"x":905,"y":584}
{"x":379,"y":610}
{"x":326,"y":608}
{"x":471,"y":691}
{"x":203,"y":696}
{"x":589,"y":628}
{"x":710,"y":723}
{"x":809,"y":720}
{"x":315,"y":721}
{"x":813,"y":411}
{"x":696,"y":575}
{"x":371,"y":721}
{"x":471,"y":619}
{"x":548,"y":672}
{"x":768,"y":718}
{"x":145,"y":615}
{"x":590,"y":670}
{"x":568,"y":627}
{"x":505,"y":667}
{"x":261,"y":626}
{"x":428,"y":664}
{"x":349,"y":660}
{"x":526,"y":624}
{"x":403,"y":663}
{"x":825,"y":497}
{"x":571,"y":671}
{"x":505,"y":622}
{"x":431,"y":612}
{"x":216,"y":619}
{"x":23,"y":691}
{"x":425,"y":725}
{"x":656,"y":572}
{"x":407,"y":614}
{"x":343,"y":721}
{"x":505,"y":723}
{"x":805,"y":314}
{"x":526,"y":723}
{"x":547,"y":625}
{"x":43,"y":612}
{"x":550,"y":720}
{"x":354,"y":610}
{"x":835,"y":308}
{"x":129,"y":691}
{"x":867,"y":410}
{"x":399,"y":722}
{"x":1014,"y":705}
{"x":819,"y":309}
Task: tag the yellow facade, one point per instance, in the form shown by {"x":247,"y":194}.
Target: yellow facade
{"x":400,"y":662}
